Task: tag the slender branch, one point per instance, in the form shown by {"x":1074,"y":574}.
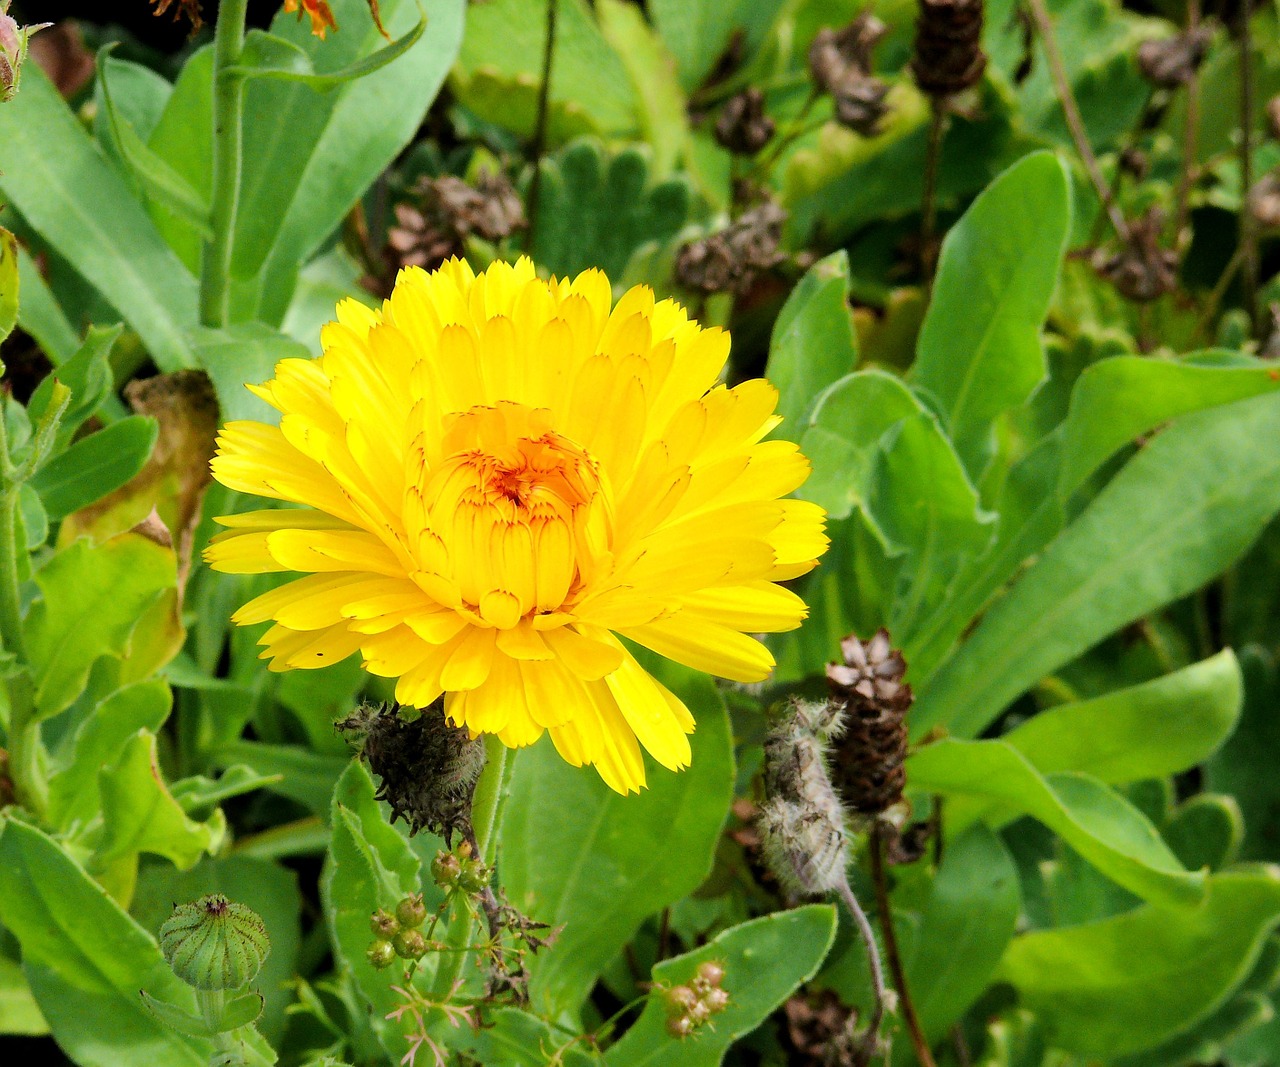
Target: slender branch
{"x":878,"y":990}
{"x":1248,"y":224}
{"x":918,"y":1042}
{"x":540,"y":126}
{"x":1190,"y":138}
{"x":228,"y":148}
{"x":1062,"y":84}
{"x":929,"y":203}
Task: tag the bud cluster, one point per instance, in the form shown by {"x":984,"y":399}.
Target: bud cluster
{"x":460,"y":871}
{"x":397,"y":935}
{"x":690,"y":1007}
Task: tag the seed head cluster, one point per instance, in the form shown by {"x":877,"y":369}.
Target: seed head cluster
{"x":692,"y":1006}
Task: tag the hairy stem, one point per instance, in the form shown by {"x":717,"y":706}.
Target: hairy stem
{"x":880,"y":993}
{"x":540,"y":126}
{"x":918,"y":1042}
{"x":1062,"y":85}
{"x":1190,"y":136}
{"x":228,"y":147}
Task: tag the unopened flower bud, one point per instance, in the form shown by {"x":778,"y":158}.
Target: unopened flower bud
{"x":215,"y":943}
{"x":381,"y":954}
{"x":445,"y":870}
{"x":711,"y":972}
{"x":411,"y":911}
{"x":680,"y":1026}
{"x":14,"y":40}
{"x":383,"y":924}
{"x":716,"y":1000}
{"x":698,"y":1012}
{"x":410,"y":945}
{"x":474,"y":876}
{"x":679,"y":999}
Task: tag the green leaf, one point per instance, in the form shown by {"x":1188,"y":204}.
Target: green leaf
{"x":87,"y":374}
{"x":241,"y":355}
{"x":1097,"y":822}
{"x":40,"y":315}
{"x":86,"y":959}
{"x":199,"y":792}
{"x":764,"y":961}
{"x":841,"y":440}
{"x":8,"y":283}
{"x":267,"y":56}
{"x":1093,"y":984}
{"x":698,"y":32}
{"x":35,"y":520}
{"x":295,"y":772}
{"x":93,"y":599}
{"x":19,"y":1013}
{"x":979,"y":352}
{"x":73,"y":787}
{"x":369,"y":866}
{"x":239,"y":1011}
{"x":55,"y":177}
{"x":95,"y":465}
{"x":514,"y":1038}
{"x":1238,"y":1017}
{"x":596,"y":209}
{"x":599,"y":863}
{"x":140,"y":815}
{"x":813,"y":343}
{"x":160,"y":183}
{"x":1206,"y":831}
{"x":967,"y":922}
{"x":1117,"y":400}
{"x":1179,"y":512}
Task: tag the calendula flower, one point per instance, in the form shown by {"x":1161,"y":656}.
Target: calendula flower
{"x":322,"y":19}
{"x":500,"y":476}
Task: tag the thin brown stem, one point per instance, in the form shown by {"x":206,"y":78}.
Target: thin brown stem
{"x":1214,"y":299}
{"x":1071,"y":110}
{"x":540,"y":124}
{"x":871,"y":1039}
{"x":1248,"y":224}
{"x":1190,"y":141}
{"x":914,"y":1030}
{"x":929,"y":201}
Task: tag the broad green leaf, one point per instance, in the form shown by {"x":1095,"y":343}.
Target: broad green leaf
{"x":54,"y":175}
{"x":19,"y":1013}
{"x":35,"y":520}
{"x":239,"y":1011}
{"x":86,"y":960}
{"x":813,"y":343}
{"x":1206,"y":831}
{"x":369,"y":866}
{"x":514,"y":1038}
{"x":1205,"y":1043}
{"x":698,"y":32}
{"x":95,"y":465}
{"x":140,"y":815}
{"x":847,"y":422}
{"x":979,"y":352}
{"x":573,"y":852}
{"x":8,"y":283}
{"x":241,"y":355}
{"x":267,"y":56}
{"x":764,"y":960}
{"x":505,"y":39}
{"x":40,"y":315}
{"x":200,"y":792}
{"x":595,"y":209}
{"x":1096,"y":985}
{"x":87,"y":374}
{"x":967,"y":922}
{"x":1179,"y":512}
{"x":1244,"y":767}
{"x":1097,"y":822}
{"x":297,"y":773}
{"x":1117,"y":400}
{"x":73,"y":787}
{"x":1151,"y":730}
{"x":927,"y":508}
{"x":93,"y":599}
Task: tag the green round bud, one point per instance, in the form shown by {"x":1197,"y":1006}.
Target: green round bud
{"x":445,"y":869}
{"x":474,"y":876}
{"x":411,"y":911}
{"x":383,"y":924}
{"x":215,"y":943}
{"x":410,"y":945}
{"x":381,"y":954}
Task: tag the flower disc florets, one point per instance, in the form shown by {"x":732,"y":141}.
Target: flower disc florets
{"x":499,"y":475}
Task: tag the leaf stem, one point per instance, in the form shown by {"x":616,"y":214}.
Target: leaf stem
{"x":1248,"y":224}
{"x":914,"y":1030}
{"x":228,"y":147}
{"x":540,"y":125}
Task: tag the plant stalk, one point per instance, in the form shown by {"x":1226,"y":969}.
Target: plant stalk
{"x":540,"y":125}
{"x":1190,"y":138}
{"x":228,"y":150}
{"x":929,"y":200}
{"x":1248,"y":224}
{"x":879,"y":991}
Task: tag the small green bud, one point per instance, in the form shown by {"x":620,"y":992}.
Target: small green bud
{"x":411,"y":911}
{"x":383,"y":924}
{"x":445,"y":870}
{"x":381,"y":954}
{"x":410,"y":945}
{"x":215,"y":943}
{"x":474,"y":876}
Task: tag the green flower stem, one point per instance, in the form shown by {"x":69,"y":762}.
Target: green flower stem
{"x":228,"y":146}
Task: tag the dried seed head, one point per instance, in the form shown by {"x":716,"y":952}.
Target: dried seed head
{"x":1168,"y":62}
{"x":427,"y":766}
{"x":869,"y":686}
{"x":446,"y":212}
{"x":743,"y":127}
{"x":836,"y":55}
{"x":860,"y":104}
{"x":731,"y":259}
{"x":948,"y":56}
{"x":1141,"y":270}
{"x":1264,"y":200}
{"x":214,"y":943}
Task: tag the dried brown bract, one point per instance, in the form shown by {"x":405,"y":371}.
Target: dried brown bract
{"x":1141,"y":271}
{"x":730,"y":260}
{"x":188,"y":9}
{"x":1168,"y":62}
{"x":840,"y":62}
{"x":743,"y":127}
{"x":446,"y":213}
{"x":948,"y":56}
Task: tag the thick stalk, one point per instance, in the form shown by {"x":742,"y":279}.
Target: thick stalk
{"x":228,"y":146}
{"x":929,"y":201}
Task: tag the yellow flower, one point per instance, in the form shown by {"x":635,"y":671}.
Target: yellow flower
{"x":500,"y":475}
{"x":322,"y":19}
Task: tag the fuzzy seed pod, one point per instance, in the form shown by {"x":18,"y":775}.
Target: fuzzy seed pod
{"x":948,"y":56}
{"x":427,"y":766}
{"x":214,"y":943}
{"x":835,"y":55}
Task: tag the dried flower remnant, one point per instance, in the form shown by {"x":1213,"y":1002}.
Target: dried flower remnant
{"x":188,"y":9}
{"x":320,"y":13}
{"x":1273,"y":117}
{"x":1169,"y":62}
{"x":948,"y":56}
{"x":447,"y":211}
{"x":14,"y":41}
{"x":1141,"y":270}
{"x":743,"y":127}
{"x":1264,"y":200}
{"x":730,"y":260}
{"x":491,"y":501}
{"x":840,"y":63}
{"x":693,"y":1006}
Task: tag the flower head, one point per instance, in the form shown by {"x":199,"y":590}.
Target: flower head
{"x":499,"y":476}
{"x":322,"y":20}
